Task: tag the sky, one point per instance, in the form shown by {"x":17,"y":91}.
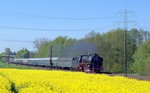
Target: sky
{"x":23,"y":21}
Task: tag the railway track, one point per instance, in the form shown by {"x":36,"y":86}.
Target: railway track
{"x":134,"y":76}
{"x":49,"y":68}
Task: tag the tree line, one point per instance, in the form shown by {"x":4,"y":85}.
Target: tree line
{"x":109,"y":45}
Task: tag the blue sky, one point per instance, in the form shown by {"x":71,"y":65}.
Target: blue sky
{"x":72,"y":18}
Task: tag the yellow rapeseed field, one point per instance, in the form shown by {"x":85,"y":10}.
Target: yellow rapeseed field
{"x":42,"y":81}
{"x":5,"y":85}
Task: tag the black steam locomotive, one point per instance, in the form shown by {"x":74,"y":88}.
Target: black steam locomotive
{"x":91,"y":63}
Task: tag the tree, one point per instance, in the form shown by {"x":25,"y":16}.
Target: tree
{"x":114,"y":50}
{"x":58,"y":45}
{"x":2,"y":59}
{"x":32,"y":54}
{"x":7,"y":51}
{"x":24,"y":53}
{"x":39,"y":42}
{"x":41,"y":46}
{"x":142,"y":59}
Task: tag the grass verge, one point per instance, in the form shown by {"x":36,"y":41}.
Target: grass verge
{"x":7,"y":65}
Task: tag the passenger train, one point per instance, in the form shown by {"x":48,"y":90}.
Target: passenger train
{"x":85,"y":63}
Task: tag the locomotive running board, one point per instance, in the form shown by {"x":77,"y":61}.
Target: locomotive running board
{"x":105,"y":73}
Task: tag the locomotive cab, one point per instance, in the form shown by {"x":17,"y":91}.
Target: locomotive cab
{"x":96,"y":63}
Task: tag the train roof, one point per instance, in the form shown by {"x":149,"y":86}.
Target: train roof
{"x":53,"y":58}
{"x":64,"y":58}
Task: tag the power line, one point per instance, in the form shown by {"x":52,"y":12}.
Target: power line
{"x":2,"y":34}
{"x":145,"y":21}
{"x":57,"y":18}
{"x":43,"y":29}
{"x":10,"y":40}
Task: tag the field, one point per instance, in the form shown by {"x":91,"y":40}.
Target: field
{"x":43,"y":81}
{"x":7,"y":65}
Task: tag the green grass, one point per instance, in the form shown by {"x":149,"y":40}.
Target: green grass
{"x":7,"y":65}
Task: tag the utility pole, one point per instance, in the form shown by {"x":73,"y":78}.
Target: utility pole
{"x":125,"y":22}
{"x":50,"y":61}
{"x":125,"y":42}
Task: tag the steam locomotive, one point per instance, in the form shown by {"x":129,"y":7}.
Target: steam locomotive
{"x":86,"y":63}
{"x":91,"y":63}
